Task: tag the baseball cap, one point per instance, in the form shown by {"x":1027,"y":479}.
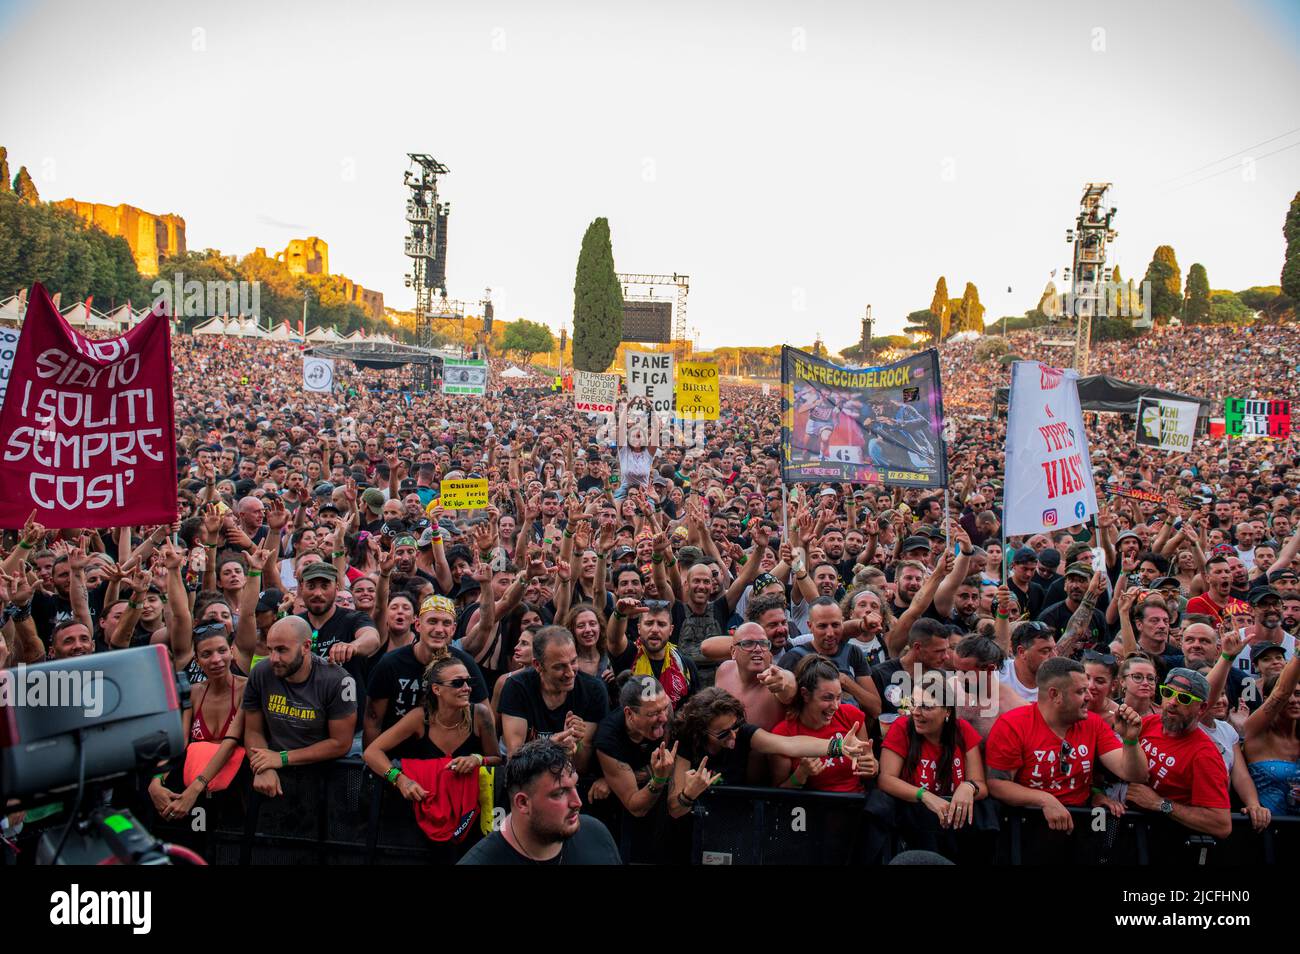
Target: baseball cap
{"x":1025,"y":555}
{"x":1079,"y":569}
{"x":269,"y":600}
{"x":1166,"y":581}
{"x":1258,"y":652}
{"x":1283,"y":574}
{"x":373,"y":499}
{"x":621,"y":553}
{"x":323,"y":489}
{"x":1049,"y":557}
{"x":1188,"y":680}
{"x":1264,"y":592}
{"x":319,"y":570}
{"x":916,"y":543}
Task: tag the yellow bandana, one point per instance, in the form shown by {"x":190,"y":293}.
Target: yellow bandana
{"x":438,"y":604}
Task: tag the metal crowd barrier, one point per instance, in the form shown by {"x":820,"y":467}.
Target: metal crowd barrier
{"x":341,"y":813}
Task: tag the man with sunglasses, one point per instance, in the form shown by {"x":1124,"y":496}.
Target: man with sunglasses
{"x":1188,"y":781}
{"x":751,"y":658}
{"x":1045,"y":755}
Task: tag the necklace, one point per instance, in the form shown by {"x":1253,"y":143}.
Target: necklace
{"x":524,"y":851}
{"x":458,"y":724}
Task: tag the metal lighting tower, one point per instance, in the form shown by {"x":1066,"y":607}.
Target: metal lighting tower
{"x":1089,"y":274}
{"x":866,"y":336}
{"x":426,"y":245}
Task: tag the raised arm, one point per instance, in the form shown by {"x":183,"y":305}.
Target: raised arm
{"x":1276,"y":702}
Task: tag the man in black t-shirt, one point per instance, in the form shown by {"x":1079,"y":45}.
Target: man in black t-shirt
{"x":345,"y":637}
{"x":544,"y":826}
{"x":1057,"y":616}
{"x":396,"y":683}
{"x":554,"y":699}
{"x":1027,"y":591}
{"x":631,"y":745}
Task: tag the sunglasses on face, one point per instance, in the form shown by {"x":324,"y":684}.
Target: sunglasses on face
{"x":1184,"y":698}
{"x":460,"y":682}
{"x":724,"y":733}
{"x":749,"y":645}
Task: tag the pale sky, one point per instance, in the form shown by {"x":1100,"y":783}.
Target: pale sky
{"x":797,"y":160}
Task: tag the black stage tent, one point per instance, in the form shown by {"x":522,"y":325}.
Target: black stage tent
{"x":1101,"y":392}
{"x":377,"y":354}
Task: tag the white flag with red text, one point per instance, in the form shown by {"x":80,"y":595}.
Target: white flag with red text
{"x":1048,"y":466}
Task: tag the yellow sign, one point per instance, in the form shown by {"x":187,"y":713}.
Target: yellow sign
{"x":465,"y":494}
{"x":697,"y":392}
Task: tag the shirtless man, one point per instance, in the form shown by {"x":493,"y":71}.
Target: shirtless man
{"x":751,"y":654}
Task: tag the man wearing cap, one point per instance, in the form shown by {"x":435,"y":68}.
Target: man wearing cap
{"x":1049,"y":565}
{"x":1091,"y":629}
{"x":371,"y":505}
{"x":1188,"y":780}
{"x":1028,"y":593}
{"x":345,"y":637}
{"x":1267,"y":631}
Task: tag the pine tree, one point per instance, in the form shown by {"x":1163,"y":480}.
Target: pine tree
{"x":25,"y":187}
{"x":939,"y":308}
{"x":1291,"y":261}
{"x":1166,"y":295}
{"x":597,"y":302}
{"x":1197,"y":305}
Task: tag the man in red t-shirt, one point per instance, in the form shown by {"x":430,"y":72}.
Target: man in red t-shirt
{"x":1188,"y":780}
{"x":1042,"y":755}
{"x":1217,"y":601}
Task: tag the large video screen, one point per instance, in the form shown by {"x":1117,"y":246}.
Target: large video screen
{"x":648,"y":321}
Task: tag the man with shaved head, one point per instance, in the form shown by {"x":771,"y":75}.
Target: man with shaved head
{"x":298,"y":708}
{"x":751,"y":655}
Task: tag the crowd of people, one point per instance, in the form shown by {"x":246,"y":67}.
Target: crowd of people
{"x":627,"y":626}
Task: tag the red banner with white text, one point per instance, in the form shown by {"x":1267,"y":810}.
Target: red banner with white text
{"x":89,"y":436}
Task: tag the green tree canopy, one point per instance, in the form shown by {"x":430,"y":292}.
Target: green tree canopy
{"x":924,"y":322}
{"x":970,"y":313}
{"x":1166,"y":295}
{"x":25,"y":187}
{"x":4,"y":169}
{"x":527,"y":338}
{"x":1291,"y":260}
{"x":1197,"y":306}
{"x":939,"y":307}
{"x":597,"y":302}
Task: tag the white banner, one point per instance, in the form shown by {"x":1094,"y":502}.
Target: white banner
{"x":9,"y":348}
{"x":1048,"y":465}
{"x":650,"y":376}
{"x":318,"y":375}
{"x":1168,"y":425}
{"x":595,"y":393}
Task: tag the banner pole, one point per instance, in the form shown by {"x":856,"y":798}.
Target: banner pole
{"x":785,"y":513}
{"x":947,"y":522}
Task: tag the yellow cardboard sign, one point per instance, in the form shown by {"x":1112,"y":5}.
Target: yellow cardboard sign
{"x":697,"y":392}
{"x":465,"y":494}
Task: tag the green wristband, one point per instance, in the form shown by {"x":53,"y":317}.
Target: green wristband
{"x":794,"y":781}
{"x":1227,"y":658}
{"x":24,"y":545}
{"x":920,"y":794}
{"x":1130,"y":741}
{"x":254,"y":572}
{"x":284,"y":759}
{"x":392,"y":775}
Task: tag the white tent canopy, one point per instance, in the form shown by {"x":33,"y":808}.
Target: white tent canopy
{"x":12,"y":309}
{"x":323,"y":334}
{"x":248,"y":328}
{"x":283,"y":332}
{"x":513,"y":372}
{"x":213,"y":326}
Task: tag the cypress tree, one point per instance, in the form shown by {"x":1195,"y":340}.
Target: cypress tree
{"x":597,"y":302}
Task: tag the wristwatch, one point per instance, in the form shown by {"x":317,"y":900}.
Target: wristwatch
{"x":1166,"y":807}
